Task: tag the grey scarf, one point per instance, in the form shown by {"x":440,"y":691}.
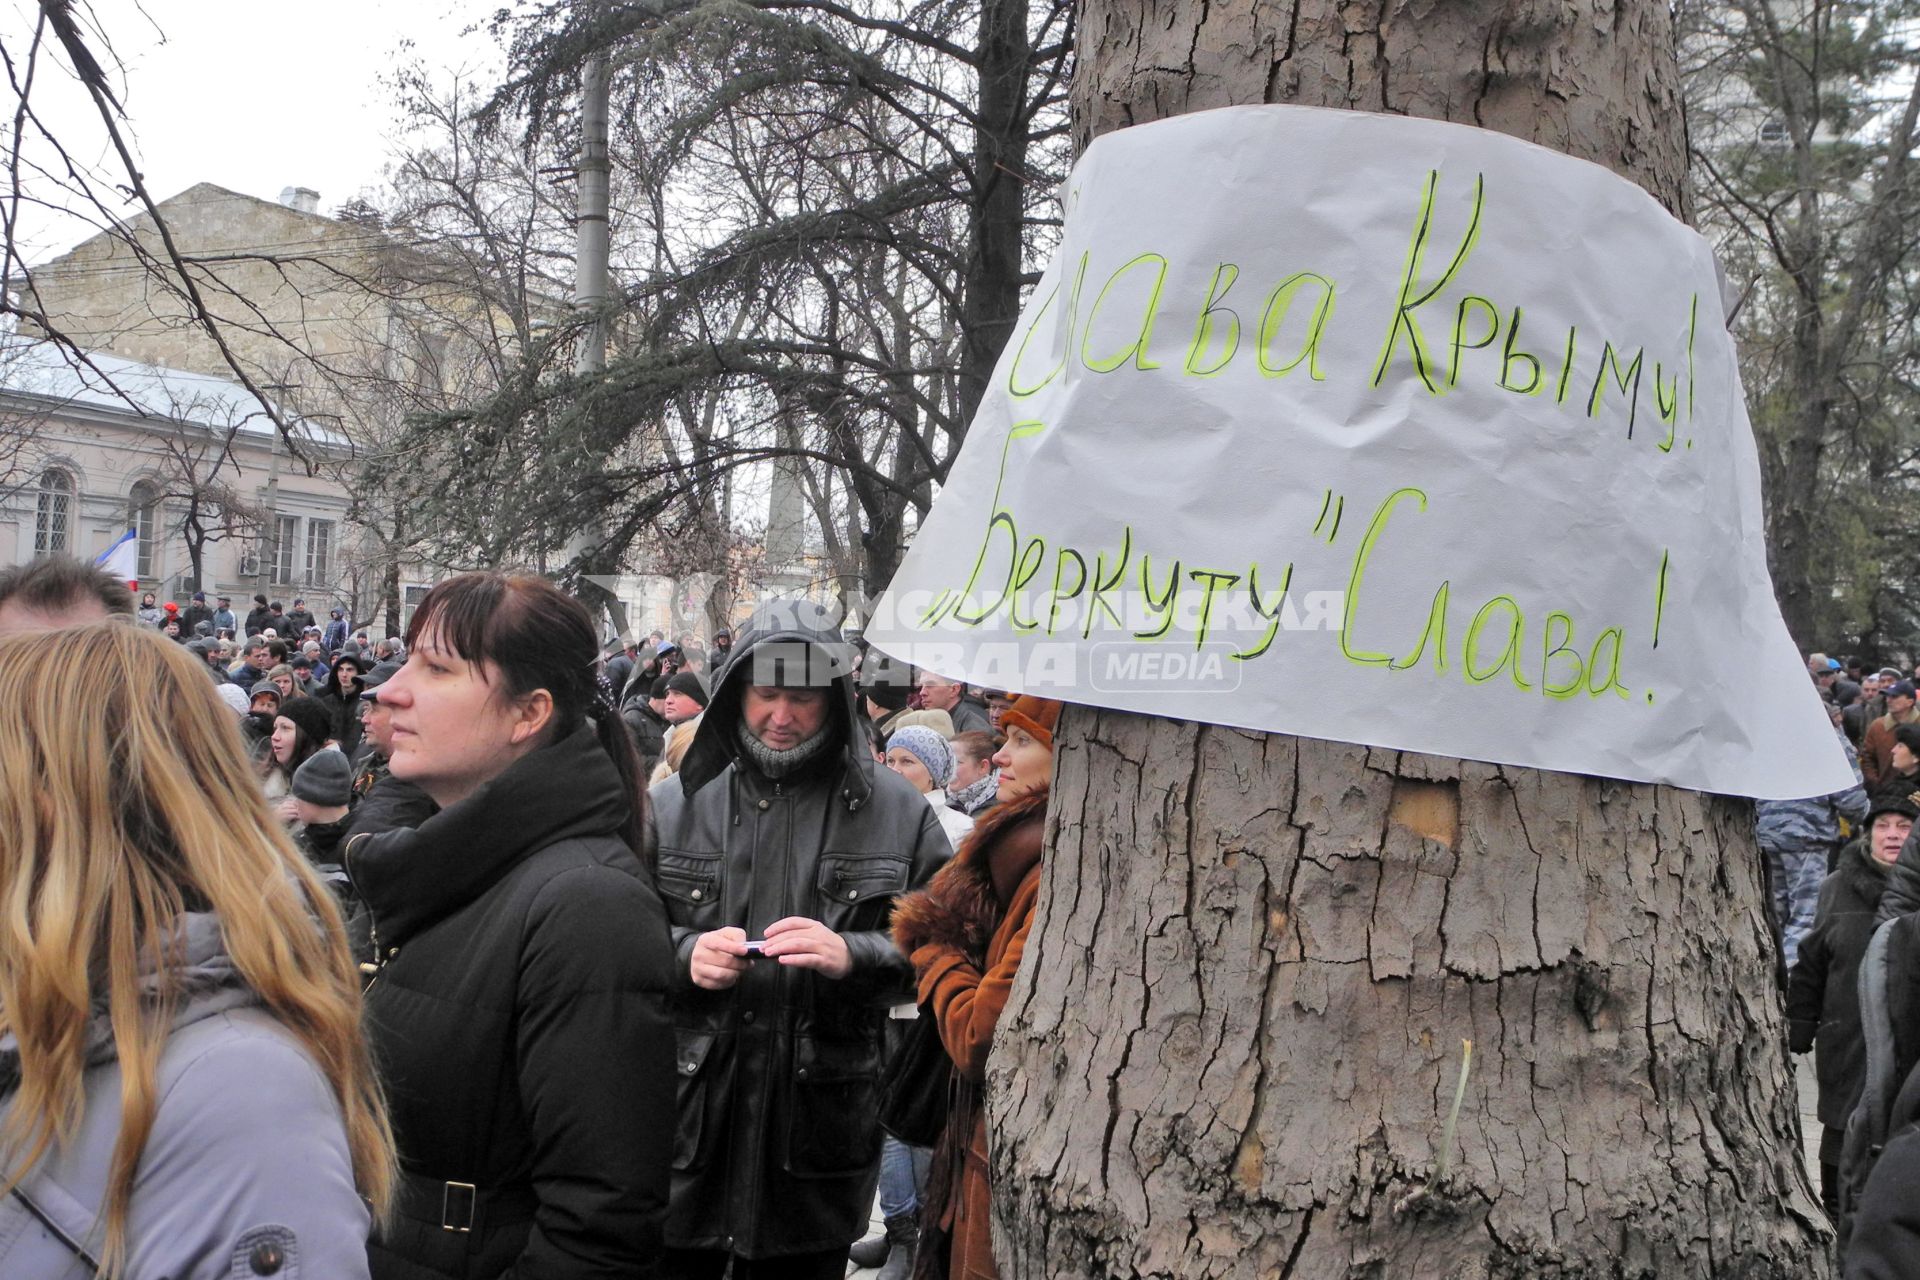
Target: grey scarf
{"x":774,"y":765}
{"x":976,"y":795}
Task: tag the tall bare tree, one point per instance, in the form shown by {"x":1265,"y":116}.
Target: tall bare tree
{"x":1237,"y":1028}
{"x":195,"y":482}
{"x":821,"y":216}
{"x":51,"y":170}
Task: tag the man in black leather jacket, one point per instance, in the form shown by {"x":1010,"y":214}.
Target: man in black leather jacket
{"x":779,"y":829}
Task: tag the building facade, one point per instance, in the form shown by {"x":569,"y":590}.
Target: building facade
{"x":193,"y":464}
{"x":335,"y":319}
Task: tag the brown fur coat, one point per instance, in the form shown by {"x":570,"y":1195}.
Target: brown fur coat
{"x":966,"y":934}
{"x":958,"y":908}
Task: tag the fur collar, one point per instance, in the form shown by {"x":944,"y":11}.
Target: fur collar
{"x":958,"y":907}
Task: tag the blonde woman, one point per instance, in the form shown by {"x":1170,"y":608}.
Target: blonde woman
{"x":184,"y":1091}
{"x":679,"y":738}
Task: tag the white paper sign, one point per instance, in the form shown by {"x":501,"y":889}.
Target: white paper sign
{"x":1379,"y":430}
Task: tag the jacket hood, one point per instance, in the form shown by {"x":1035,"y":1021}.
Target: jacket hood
{"x":332,"y":684}
{"x":203,"y":983}
{"x":791,"y":634}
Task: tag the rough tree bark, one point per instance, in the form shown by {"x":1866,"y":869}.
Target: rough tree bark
{"x":1237,"y":1033}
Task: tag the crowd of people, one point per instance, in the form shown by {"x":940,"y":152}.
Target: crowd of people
{"x":532,"y":959}
{"x":1843,"y":873}
{"x":537,"y":958}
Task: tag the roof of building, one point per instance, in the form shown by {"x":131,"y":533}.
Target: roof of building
{"x":48,"y":371}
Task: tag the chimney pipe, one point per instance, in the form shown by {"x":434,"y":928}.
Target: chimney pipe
{"x":302,"y":199}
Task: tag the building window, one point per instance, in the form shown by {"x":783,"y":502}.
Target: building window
{"x":1773,"y":133}
{"x":143,"y":517}
{"x":286,"y":545}
{"x":52,"y":518}
{"x":319,"y":552}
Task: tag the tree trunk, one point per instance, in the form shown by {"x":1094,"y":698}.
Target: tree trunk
{"x":990,"y":294}
{"x":1237,"y":1032}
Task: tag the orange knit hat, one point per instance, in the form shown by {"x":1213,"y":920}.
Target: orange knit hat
{"x":1036,"y":715}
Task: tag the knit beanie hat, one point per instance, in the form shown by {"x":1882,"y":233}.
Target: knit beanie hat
{"x":886,"y":683}
{"x":1037,"y":716}
{"x":659,"y":687}
{"x":326,"y":779}
{"x":686,"y":682}
{"x":928,"y":747}
{"x":310,"y":717}
{"x":265,"y":686}
{"x":231,"y":695}
{"x":927,"y":718}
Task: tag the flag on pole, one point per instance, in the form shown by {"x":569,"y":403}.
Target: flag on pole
{"x":122,"y":559}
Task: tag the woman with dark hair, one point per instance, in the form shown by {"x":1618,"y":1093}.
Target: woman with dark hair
{"x":293,"y":733}
{"x":519,"y":1007}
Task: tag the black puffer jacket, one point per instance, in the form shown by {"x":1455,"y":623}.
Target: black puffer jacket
{"x":1823,"y":992}
{"x":778,"y":1143}
{"x":519,"y":1023}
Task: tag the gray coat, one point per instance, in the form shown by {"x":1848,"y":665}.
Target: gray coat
{"x":247,"y":1162}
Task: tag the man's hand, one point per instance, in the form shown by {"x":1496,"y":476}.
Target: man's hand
{"x":719,"y":958}
{"x":808,"y":944}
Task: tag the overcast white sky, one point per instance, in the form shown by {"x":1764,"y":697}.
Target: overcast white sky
{"x":254,"y":95}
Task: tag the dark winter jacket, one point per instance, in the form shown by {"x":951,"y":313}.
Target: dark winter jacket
{"x":649,"y":729}
{"x":967,"y":933}
{"x":247,"y":1150}
{"x":193,"y":615}
{"x":321,"y":843}
{"x":778,"y":1142}
{"x":258,"y":620}
{"x":1883,"y":1237}
{"x":343,"y":712}
{"x":1823,"y":993}
{"x":1889,"y":996}
{"x":298,"y":620}
{"x":969,"y":716}
{"x":519,"y":1020}
{"x":389,"y":803}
